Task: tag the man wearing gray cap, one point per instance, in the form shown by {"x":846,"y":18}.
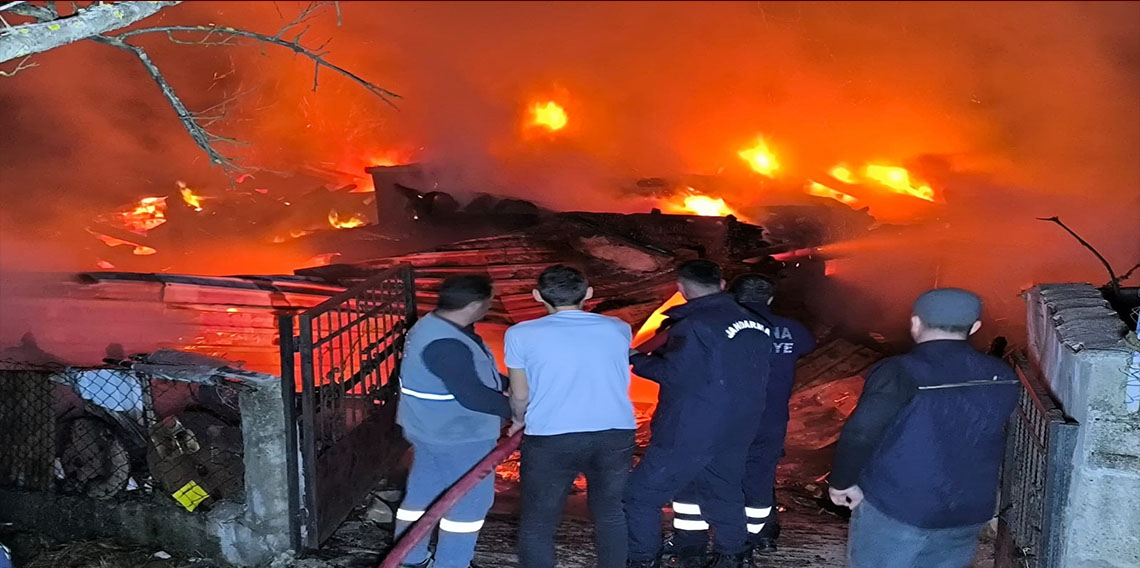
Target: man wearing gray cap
{"x":918,"y":460}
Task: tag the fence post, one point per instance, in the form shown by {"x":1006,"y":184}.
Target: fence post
{"x":292,"y":447}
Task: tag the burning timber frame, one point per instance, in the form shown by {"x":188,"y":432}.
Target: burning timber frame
{"x":346,"y":352}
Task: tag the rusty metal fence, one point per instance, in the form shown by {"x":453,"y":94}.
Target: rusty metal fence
{"x":1035,"y":476}
{"x":340,"y":365}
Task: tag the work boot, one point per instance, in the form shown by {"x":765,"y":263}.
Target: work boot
{"x":765,"y":542}
{"x":741,"y":560}
{"x":673,"y":556}
{"x":764,"y":545}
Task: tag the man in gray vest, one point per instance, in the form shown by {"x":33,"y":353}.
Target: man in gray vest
{"x":452,"y":409}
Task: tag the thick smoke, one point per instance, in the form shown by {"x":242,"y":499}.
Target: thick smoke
{"x":1011,"y":110}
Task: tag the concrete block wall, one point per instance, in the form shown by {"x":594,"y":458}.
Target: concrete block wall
{"x":1081,"y":347}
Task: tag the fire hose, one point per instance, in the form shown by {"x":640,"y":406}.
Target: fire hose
{"x":423,"y":527}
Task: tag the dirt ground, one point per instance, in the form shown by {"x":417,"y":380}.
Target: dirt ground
{"x":813,"y":536}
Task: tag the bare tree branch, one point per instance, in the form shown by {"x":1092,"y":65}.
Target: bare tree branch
{"x":202,"y":137}
{"x":1113,"y":280}
{"x":94,"y":21}
{"x":317,"y":57}
{"x":97,"y":19}
{"x":23,"y":64}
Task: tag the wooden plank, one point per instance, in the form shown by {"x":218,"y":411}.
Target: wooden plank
{"x":188,"y":294}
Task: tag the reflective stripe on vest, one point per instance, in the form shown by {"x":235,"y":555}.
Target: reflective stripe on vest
{"x":426,"y":395}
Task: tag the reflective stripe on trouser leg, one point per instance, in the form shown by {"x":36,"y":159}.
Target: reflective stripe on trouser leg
{"x":407,"y":515}
{"x":686,"y":508}
{"x":460,"y":527}
{"x":687,"y":517}
{"x":757,"y":514}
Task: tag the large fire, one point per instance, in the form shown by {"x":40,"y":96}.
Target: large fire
{"x":549,"y":115}
{"x":760,"y":158}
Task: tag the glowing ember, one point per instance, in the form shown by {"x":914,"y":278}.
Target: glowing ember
{"x":348,"y":222}
{"x":707,"y":206}
{"x":139,"y":250}
{"x":549,"y":115}
{"x":760,"y":158}
{"x":649,"y":328}
{"x":898,"y":180}
{"x":147,"y":214}
{"x":192,"y":199}
{"x":820,"y":190}
{"x":843,"y":174}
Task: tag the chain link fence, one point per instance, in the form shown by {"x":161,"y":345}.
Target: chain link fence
{"x":129,"y":431}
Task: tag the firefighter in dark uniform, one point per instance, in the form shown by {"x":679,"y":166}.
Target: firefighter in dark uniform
{"x":918,"y":460}
{"x":791,"y":340}
{"x":713,"y":373}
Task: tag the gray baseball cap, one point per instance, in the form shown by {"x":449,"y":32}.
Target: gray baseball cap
{"x":946,"y":307}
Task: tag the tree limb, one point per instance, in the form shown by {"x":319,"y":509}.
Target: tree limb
{"x":202,"y":137}
{"x":1113,"y":280}
{"x":317,"y":58}
{"x":44,"y":34}
{"x":23,"y":64}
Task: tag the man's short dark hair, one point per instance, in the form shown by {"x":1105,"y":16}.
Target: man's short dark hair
{"x":701,"y":272}
{"x":458,"y":292}
{"x":955,"y":329}
{"x":753,"y":288}
{"x":562,"y":285}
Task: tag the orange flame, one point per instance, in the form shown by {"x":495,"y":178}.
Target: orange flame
{"x":760,"y":158}
{"x":843,"y":174}
{"x":549,"y":115}
{"x":898,"y":180}
{"x":147,"y":214}
{"x":192,"y":199}
{"x":695,"y":203}
{"x":348,"y":222}
{"x":707,"y":206}
{"x":649,"y":328}
{"x":820,"y":190}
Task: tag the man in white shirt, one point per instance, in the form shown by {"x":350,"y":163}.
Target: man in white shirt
{"x":569,"y":374}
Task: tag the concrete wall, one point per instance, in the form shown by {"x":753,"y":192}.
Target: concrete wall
{"x":1080,"y":346}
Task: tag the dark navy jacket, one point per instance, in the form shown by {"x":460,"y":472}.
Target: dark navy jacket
{"x":790,"y":341}
{"x":713,"y":372}
{"x":935,"y":463}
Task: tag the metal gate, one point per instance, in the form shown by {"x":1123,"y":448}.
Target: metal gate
{"x":1035,"y":477}
{"x":346,"y":352}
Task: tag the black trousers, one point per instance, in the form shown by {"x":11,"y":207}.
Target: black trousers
{"x":549,"y":466}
